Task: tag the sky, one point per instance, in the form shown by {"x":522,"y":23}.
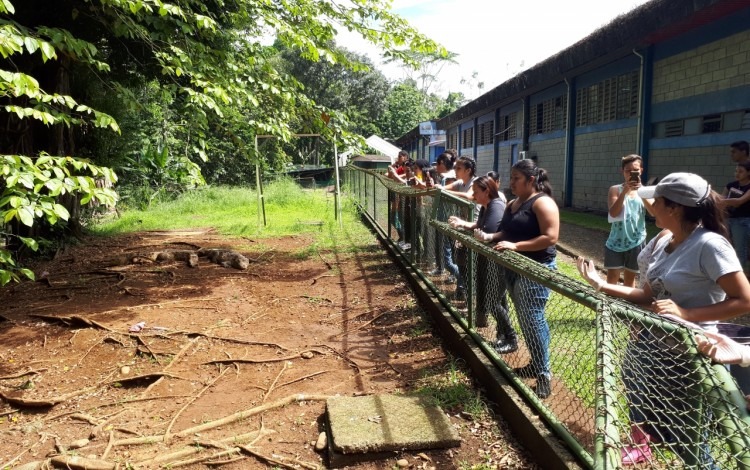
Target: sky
{"x":496,"y":39}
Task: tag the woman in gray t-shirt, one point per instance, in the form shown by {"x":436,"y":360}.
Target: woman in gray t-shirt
{"x":693,"y":274}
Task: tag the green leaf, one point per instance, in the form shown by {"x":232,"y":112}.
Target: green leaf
{"x":28,"y":273}
{"x":48,"y":52}
{"x":26,"y":215}
{"x":30,"y":242}
{"x":5,"y":277}
{"x":62,"y":212}
{"x":7,"y":7}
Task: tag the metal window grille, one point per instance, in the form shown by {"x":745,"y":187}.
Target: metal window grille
{"x":467,"y":138}
{"x":674,"y":128}
{"x":486,"y":131}
{"x":711,"y":123}
{"x":582,"y":111}
{"x":746,"y":120}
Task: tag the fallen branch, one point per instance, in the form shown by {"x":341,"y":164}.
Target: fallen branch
{"x":224,"y":453}
{"x":22,"y":374}
{"x":73,"y":320}
{"x":143,"y":343}
{"x":109,"y":445}
{"x":257,"y":361}
{"x":315,"y":279}
{"x":273,"y":384}
{"x":230,"y":340}
{"x":194,"y":449}
{"x":328,"y":265}
{"x":342,"y":356}
{"x":280,"y":463}
{"x":226,"y":420}
{"x":98,"y":341}
{"x":359,"y":327}
{"x":114,"y":403}
{"x":145,"y":378}
{"x":80,"y":463}
{"x":303,"y":378}
{"x":167,"y":436}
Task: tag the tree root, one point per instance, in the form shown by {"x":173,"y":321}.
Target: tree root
{"x":167,"y":435}
{"x":231,"y":340}
{"x":303,"y":378}
{"x":293,"y":465}
{"x":273,"y":384}
{"x":259,"y":361}
{"x":73,"y":320}
{"x":363,"y":325}
{"x":22,"y":374}
{"x":192,"y":450}
{"x":226,"y":420}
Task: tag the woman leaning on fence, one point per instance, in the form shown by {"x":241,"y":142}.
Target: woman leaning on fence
{"x":530,"y":226}
{"x":693,"y":274}
{"x":465,"y":169}
{"x":492,"y":203}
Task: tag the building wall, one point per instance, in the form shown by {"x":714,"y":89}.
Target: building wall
{"x":504,"y":164}
{"x":550,"y":155}
{"x":596,"y":165}
{"x":716,"y":66}
{"x":485,"y":159}
{"x":713,"y":163}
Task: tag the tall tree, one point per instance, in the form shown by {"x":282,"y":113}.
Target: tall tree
{"x":207,"y":57}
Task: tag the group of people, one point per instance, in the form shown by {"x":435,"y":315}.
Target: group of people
{"x":528,"y":224}
{"x":694,"y":270}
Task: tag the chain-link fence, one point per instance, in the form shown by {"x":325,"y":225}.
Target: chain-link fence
{"x":620,"y":385}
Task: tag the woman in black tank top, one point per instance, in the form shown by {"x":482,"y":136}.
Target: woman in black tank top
{"x":530,"y":226}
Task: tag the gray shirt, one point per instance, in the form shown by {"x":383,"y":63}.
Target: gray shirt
{"x":688,"y":275}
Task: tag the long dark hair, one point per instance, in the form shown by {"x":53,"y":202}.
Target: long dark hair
{"x":487,"y":184}
{"x":710,"y":213}
{"x":528,"y":168}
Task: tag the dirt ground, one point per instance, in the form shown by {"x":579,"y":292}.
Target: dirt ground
{"x":222,"y":359}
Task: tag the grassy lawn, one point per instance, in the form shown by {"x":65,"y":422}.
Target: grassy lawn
{"x":598,"y":221}
{"x":233,"y":211}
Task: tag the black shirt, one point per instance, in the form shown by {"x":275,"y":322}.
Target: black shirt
{"x":523,"y":225}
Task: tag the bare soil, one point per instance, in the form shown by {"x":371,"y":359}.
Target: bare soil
{"x":217,"y":341}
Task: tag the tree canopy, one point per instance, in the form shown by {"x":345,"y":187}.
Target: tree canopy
{"x":89,"y":85}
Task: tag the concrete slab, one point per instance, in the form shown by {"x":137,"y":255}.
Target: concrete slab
{"x":383,"y":423}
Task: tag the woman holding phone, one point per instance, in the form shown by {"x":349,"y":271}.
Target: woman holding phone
{"x":627,"y":214}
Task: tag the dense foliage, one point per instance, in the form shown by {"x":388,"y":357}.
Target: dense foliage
{"x":158,"y":91}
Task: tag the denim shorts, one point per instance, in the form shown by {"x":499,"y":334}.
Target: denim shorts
{"x":622,"y":259}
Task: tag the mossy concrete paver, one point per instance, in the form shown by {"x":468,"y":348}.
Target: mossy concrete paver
{"x":379,"y":423}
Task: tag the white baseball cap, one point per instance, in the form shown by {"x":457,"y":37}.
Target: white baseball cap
{"x":687,"y":189}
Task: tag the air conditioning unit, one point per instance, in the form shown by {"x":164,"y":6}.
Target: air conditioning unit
{"x":524,"y":154}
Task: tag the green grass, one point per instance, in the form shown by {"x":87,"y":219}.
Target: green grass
{"x":450,"y":388}
{"x":598,"y":221}
{"x":233,"y":211}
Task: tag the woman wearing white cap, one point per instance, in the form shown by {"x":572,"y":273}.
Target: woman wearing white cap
{"x":695,"y":275}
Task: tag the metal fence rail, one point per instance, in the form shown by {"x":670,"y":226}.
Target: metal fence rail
{"x":625,"y":383}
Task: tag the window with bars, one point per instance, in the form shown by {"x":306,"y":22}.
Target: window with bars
{"x":467,"y":138}
{"x":549,"y":115}
{"x":451,"y":141}
{"x":706,"y":124}
{"x":609,"y":100}
{"x":507,"y":127}
{"x":486,"y":133}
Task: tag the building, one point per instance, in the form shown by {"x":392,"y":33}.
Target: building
{"x":669,"y":80}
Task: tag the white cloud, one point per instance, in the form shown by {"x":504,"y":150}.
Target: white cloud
{"x":497,"y":39}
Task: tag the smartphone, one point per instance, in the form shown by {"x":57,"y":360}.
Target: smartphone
{"x":635,"y":176}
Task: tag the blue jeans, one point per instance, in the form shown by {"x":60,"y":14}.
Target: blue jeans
{"x":530,"y":299}
{"x":740,"y":228}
